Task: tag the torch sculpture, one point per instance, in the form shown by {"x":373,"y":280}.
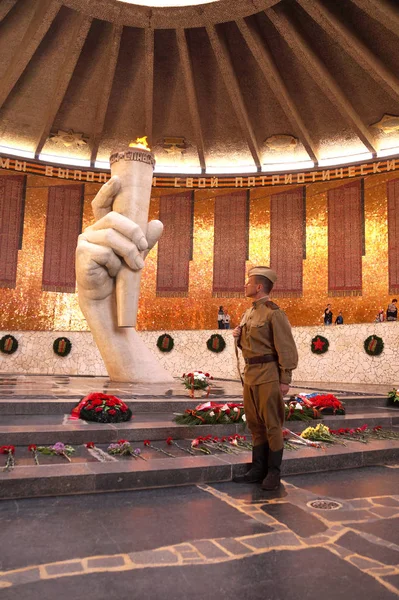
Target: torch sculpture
{"x":134,"y":167}
{"x":108,"y":288}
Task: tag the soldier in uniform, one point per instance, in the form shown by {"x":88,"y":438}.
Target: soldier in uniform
{"x":265,"y":338}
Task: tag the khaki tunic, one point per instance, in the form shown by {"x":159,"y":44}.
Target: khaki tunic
{"x":265,"y":329}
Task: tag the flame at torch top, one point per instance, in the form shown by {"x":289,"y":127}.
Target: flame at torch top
{"x":140,"y":143}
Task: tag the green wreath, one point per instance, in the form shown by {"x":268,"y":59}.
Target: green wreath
{"x":62,"y":346}
{"x":373,"y":345}
{"x":8,"y":344}
{"x":216,"y":343}
{"x":165,"y":342}
{"x":319,"y":345}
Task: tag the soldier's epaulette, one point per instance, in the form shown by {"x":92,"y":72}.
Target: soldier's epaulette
{"x":272,"y":305}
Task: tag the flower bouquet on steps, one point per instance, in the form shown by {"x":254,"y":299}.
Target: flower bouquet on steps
{"x":212,"y":413}
{"x":298,"y":411}
{"x":197,"y":383}
{"x":393,"y":398}
{"x":323,"y":403}
{"x":102,"y":408}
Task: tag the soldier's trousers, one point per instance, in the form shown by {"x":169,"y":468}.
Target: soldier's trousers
{"x":264,"y":410}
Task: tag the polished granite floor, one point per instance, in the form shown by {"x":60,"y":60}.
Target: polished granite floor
{"x":53,"y":386}
{"x":209,"y":541}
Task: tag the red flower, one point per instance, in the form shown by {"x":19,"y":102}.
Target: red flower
{"x":99,"y":409}
{"x":32,"y":447}
{"x":377,"y":427}
{"x":7,"y":449}
{"x":122,"y":442}
{"x":90,"y":445}
{"x":146,"y":442}
{"x":112,"y":412}
{"x":207,"y":375}
{"x":169,"y":441}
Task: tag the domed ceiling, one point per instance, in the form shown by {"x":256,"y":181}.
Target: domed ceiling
{"x":243,"y":85}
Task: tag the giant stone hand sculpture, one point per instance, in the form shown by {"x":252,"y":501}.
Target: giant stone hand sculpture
{"x":114,"y":243}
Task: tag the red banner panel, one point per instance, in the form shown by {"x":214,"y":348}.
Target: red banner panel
{"x":287,"y":241}
{"x":63,"y":226}
{"x":12,"y":199}
{"x":230,"y":244}
{"x":175,"y":245}
{"x":345,"y":240}
{"x":393,"y":235}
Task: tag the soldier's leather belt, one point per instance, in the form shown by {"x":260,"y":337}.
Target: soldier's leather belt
{"x":266,"y":358}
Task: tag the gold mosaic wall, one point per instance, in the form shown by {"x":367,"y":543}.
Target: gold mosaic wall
{"x":27,"y":307}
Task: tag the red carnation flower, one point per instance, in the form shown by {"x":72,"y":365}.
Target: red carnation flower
{"x":90,"y":445}
{"x":112,"y":412}
{"x":32,"y":447}
{"x":206,"y":374}
{"x":146,"y":442}
{"x":169,"y":441}
{"x":122,"y":442}
{"x":99,"y":409}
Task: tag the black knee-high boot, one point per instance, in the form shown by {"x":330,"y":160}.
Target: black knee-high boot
{"x":258,"y":469}
{"x":272,"y":480}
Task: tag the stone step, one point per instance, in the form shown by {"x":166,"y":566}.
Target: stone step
{"x":59,"y":406}
{"x":48,"y":429}
{"x":54,"y":476}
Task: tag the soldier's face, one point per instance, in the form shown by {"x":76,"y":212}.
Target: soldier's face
{"x":251,"y":288}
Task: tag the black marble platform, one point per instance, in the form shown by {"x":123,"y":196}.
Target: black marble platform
{"x":35,"y":410}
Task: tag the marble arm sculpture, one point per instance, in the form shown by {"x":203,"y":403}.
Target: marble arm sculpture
{"x":99,"y":253}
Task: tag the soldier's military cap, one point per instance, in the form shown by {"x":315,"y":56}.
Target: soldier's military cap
{"x":263,"y":272}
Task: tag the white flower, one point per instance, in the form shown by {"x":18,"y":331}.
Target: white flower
{"x":235,"y":409}
{"x":244,"y":418}
{"x":224,"y":407}
{"x":299,"y":406}
{"x":211,"y":414}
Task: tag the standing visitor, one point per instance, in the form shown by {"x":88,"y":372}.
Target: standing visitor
{"x":220,"y":318}
{"x":380,"y":318}
{"x":265,"y":338}
{"x":226,"y":319}
{"x":328,"y":316}
{"x":340,"y":319}
{"x":392,"y":311}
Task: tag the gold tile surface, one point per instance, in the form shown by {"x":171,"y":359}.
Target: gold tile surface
{"x":27,"y":307}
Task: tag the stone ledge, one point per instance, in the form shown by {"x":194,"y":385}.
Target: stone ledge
{"x":66,"y":479}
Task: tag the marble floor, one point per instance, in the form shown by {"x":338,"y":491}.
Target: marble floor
{"x":209,"y":541}
{"x":53,"y":386}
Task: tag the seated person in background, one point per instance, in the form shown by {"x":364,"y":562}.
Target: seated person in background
{"x":328,"y":316}
{"x":392,"y":311}
{"x":226,"y":319}
{"x":220,"y":318}
{"x":340,"y":319}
